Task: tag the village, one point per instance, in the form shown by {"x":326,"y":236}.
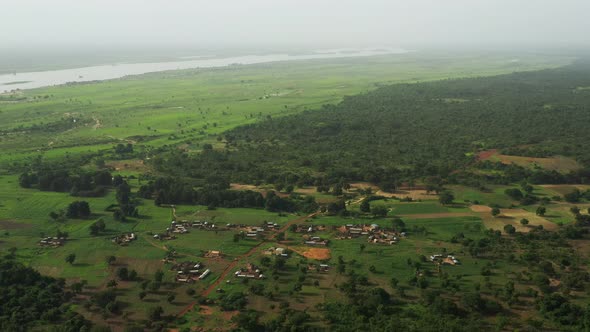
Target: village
{"x":440,"y":259}
{"x":250,"y":271}
{"x":374,"y":233}
{"x":124,"y":239}
{"x":189,"y":272}
{"x":52,"y":242}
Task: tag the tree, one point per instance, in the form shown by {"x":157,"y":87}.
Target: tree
{"x":541,"y":210}
{"x":155,"y":313}
{"x":171,"y":298}
{"x":398,"y":224}
{"x":575,"y":210}
{"x":112,"y":283}
{"x":123,"y":273}
{"x":71,"y":258}
{"x":78,"y":209}
{"x":379,"y":211}
{"x":54,"y":215}
{"x":524,"y":221}
{"x":495,"y":211}
{"x":509,"y":229}
{"x":365,"y":206}
{"x":362,"y":247}
{"x":446,"y":197}
{"x":394,"y":282}
{"x":110,"y":260}
{"x":514,"y":193}
{"x":573,"y":197}
{"x":158,"y":276}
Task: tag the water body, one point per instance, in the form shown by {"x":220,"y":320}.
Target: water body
{"x":41,"y":79}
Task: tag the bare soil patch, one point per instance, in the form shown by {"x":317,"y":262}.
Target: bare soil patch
{"x":481,"y":208}
{"x":239,"y":186}
{"x":557,"y":163}
{"x":513,"y":217}
{"x":11,"y":224}
{"x":436,"y":215}
{"x":128,"y":165}
{"x":317,"y":253}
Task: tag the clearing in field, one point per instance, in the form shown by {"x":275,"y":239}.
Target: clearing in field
{"x":314,"y":253}
{"x":513,"y":217}
{"x":563,"y":189}
{"x":135,"y":165}
{"x":557,"y":163}
{"x":9,"y":224}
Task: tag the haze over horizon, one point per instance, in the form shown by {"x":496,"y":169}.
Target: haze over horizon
{"x":330,"y":23}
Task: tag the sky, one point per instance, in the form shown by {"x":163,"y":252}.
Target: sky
{"x":294,"y":22}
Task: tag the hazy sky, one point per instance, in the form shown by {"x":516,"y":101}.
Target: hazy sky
{"x":343,"y":22}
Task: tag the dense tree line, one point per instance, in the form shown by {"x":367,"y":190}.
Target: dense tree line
{"x":214,"y":192}
{"x":29,"y":300}
{"x":76,"y":182}
{"x":412,"y":131}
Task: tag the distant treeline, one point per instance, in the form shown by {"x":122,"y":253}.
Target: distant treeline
{"x":410,"y":132}
{"x":215,"y":192}
{"x":77,"y":182}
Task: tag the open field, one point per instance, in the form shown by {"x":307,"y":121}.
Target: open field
{"x":191,"y":106}
{"x":558,"y":163}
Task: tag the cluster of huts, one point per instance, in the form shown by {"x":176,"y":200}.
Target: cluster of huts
{"x":124,"y":239}
{"x":53,"y":242}
{"x":308,"y":228}
{"x":213,"y":254}
{"x":374,"y":233}
{"x":190,"y":271}
{"x":442,"y":259}
{"x":318,"y":267}
{"x":277,"y":252}
{"x":251,"y":271}
{"x":315,"y":241}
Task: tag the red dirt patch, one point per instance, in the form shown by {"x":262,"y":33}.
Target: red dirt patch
{"x":317,"y":253}
{"x":485,"y":155}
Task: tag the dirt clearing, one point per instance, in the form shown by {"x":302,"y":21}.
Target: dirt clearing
{"x":128,"y":165}
{"x":557,"y":163}
{"x":313,"y":253}
{"x":317,"y":253}
{"x":481,"y":208}
{"x":10,"y":224}
{"x":436,"y":215}
{"x":513,"y":217}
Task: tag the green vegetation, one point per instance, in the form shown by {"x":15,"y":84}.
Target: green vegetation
{"x":383,"y":222}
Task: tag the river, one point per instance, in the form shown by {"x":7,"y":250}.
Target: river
{"x":40,"y":79}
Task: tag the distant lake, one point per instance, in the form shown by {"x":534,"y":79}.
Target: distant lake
{"x":40,"y":79}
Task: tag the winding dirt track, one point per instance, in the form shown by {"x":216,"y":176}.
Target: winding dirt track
{"x":235,"y":262}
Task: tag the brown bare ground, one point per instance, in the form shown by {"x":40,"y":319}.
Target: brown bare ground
{"x":317,"y":253}
{"x":11,"y":224}
{"x":136,"y":165}
{"x":436,"y":215}
{"x":513,"y":216}
{"x":239,"y":186}
{"x":557,"y":163}
{"x":481,"y":208}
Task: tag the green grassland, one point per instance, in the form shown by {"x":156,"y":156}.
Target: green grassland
{"x":191,"y":106}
